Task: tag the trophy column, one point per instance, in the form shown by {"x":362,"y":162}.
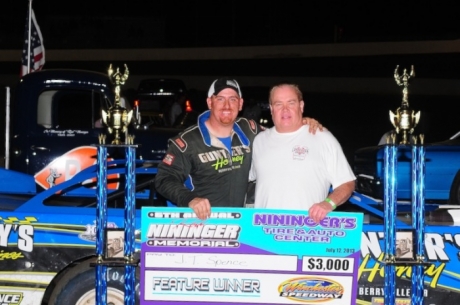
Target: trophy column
{"x":390,"y":188}
{"x":101,"y":225}
{"x":417,"y":225}
{"x":418,"y":219}
{"x":404,"y":122}
{"x":130,"y":218}
{"x":129,"y":263}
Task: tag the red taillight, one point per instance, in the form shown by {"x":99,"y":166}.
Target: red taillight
{"x":188,"y":106}
{"x":136,"y":103}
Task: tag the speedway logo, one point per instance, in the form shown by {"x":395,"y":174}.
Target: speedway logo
{"x":313,"y":289}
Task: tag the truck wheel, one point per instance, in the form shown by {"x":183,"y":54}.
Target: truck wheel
{"x":80,"y":290}
{"x":454,"y":196}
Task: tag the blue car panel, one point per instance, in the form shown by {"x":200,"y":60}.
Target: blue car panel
{"x":442,"y":166}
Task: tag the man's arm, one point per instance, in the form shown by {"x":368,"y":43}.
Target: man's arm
{"x":172,"y":173}
{"x":339,"y":196}
{"x":169,"y":182}
{"x":342,"y":193}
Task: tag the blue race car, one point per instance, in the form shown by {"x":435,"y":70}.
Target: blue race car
{"x":442,"y":175}
{"x":48,"y":238}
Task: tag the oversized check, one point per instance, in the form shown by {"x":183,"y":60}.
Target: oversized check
{"x":249,"y":256}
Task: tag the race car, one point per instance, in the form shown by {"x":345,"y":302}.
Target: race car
{"x":48,"y":239}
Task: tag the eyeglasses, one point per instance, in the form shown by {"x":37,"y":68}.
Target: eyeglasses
{"x":289,"y":104}
{"x":222,"y":99}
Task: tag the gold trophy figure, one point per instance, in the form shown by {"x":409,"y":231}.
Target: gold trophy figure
{"x":405,"y":118}
{"x":117,"y":118}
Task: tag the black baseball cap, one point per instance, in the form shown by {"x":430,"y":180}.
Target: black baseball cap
{"x":223,"y":83}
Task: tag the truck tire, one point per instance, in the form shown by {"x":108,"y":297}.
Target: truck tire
{"x":80,"y":290}
{"x":454,"y":196}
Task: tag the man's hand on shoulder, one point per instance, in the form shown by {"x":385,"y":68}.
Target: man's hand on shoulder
{"x":314,"y":124}
{"x":201,"y":207}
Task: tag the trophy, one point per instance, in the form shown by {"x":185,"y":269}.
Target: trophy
{"x":117,"y":118}
{"x":405,"y":118}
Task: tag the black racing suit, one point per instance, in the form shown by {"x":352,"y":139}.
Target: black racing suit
{"x":214,"y":172}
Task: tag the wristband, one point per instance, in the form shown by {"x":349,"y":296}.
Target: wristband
{"x":332,"y":203}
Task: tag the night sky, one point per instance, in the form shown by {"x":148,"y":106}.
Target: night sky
{"x":172,"y":23}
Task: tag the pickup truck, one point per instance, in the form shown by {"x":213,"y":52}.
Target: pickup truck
{"x":53,"y":117}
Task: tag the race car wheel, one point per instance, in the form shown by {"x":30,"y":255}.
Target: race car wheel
{"x":80,"y":290}
{"x":454,"y":196}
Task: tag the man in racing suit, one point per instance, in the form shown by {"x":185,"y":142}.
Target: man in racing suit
{"x":215,"y":154}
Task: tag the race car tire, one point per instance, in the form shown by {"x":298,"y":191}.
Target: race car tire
{"x":80,"y":290}
{"x":454,"y":196}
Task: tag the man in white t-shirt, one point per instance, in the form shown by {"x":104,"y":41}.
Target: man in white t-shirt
{"x":294,"y":169}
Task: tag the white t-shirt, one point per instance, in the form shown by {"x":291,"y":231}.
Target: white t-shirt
{"x":296,"y":170}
